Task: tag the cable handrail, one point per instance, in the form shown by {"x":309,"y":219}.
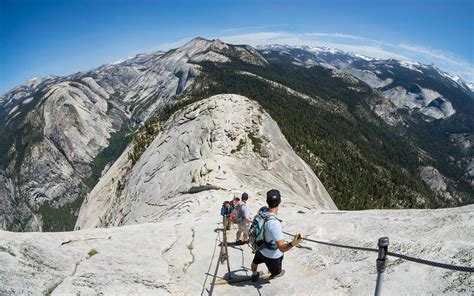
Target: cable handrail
{"x":401,"y":256}
{"x":381,"y":258}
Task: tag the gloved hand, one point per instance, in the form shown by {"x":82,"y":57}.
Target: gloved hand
{"x":296,"y":240}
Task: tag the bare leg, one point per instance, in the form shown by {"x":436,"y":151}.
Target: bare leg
{"x":246,"y":236}
{"x":238,"y":235}
{"x":254,"y":267}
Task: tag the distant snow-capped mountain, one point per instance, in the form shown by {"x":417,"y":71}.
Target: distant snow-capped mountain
{"x":394,"y":78}
{"x":335,"y":57}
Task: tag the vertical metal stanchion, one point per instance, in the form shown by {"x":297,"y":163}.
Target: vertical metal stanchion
{"x":383,"y":248}
{"x":225,"y":245}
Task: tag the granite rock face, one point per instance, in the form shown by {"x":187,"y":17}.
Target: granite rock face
{"x":68,"y":126}
{"x":433,"y":178}
{"x":56,"y":126}
{"x":226,"y":142}
{"x":178,"y":256}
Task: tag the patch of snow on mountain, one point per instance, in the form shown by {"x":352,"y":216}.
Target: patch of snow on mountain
{"x":471,"y":86}
{"x":410,"y":65}
{"x":363,"y":57}
{"x":455,"y":79}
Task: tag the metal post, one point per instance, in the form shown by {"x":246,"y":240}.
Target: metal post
{"x":383,"y":248}
{"x":225,"y":245}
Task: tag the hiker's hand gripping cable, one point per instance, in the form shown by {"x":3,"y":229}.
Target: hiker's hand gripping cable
{"x":285,"y":246}
{"x":296,"y":240}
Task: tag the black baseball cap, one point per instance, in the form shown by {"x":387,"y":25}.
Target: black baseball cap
{"x":273,"y":198}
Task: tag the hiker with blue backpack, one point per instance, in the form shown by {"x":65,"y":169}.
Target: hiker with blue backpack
{"x":226,"y":211}
{"x":266,"y":238}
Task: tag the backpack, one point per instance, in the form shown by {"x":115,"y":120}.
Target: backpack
{"x":239,"y":216}
{"x":232,"y":215}
{"x":257,"y":232}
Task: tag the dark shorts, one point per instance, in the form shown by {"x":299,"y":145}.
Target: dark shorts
{"x":273,"y":265}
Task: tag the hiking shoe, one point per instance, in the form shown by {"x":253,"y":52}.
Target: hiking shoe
{"x":239,"y":242}
{"x":282,"y":272}
{"x":255,"y":276}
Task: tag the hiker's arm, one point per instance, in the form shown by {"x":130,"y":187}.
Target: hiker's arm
{"x":283,"y":245}
{"x":248,"y":218}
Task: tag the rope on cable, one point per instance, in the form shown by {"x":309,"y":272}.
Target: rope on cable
{"x":401,"y":256}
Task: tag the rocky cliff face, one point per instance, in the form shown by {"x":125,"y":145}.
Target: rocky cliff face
{"x":49,"y":145}
{"x":226,"y":144}
{"x":55,"y":127}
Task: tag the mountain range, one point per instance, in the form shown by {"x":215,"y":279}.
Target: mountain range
{"x":377,"y":133}
{"x":112,"y":180}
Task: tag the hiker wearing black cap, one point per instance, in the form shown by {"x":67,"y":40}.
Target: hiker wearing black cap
{"x":243,"y":219}
{"x":271,"y":251}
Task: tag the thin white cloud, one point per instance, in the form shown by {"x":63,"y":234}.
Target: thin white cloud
{"x":336,"y":35}
{"x":313,"y":39}
{"x":175,"y":44}
{"x":446,"y":60}
{"x":253,"y":28}
{"x":361,"y":45}
{"x":436,"y":54}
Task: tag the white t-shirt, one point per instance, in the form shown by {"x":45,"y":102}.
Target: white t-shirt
{"x":243,"y":212}
{"x":273,"y":233}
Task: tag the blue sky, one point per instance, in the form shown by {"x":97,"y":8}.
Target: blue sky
{"x":39,"y":38}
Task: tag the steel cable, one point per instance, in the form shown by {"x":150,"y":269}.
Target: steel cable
{"x":401,"y":256}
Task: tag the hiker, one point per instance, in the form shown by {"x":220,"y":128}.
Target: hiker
{"x":234,"y":203}
{"x":271,"y":251}
{"x":243,"y":219}
{"x":226,"y":211}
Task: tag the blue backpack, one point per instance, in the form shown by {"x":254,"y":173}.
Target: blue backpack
{"x":257,"y":231}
